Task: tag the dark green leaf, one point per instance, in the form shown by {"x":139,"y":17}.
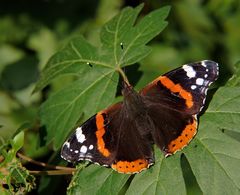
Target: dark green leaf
{"x":94,"y":88}
{"x":165,"y":177}
{"x":102,"y":180}
{"x":18,"y":141}
{"x":235,"y":79}
{"x":120,"y":30}
{"x":74,"y":57}
{"x":214,"y":156}
{"x":224,"y":110}
{"x":61,"y":112}
{"x":20,"y":74}
{"x":20,"y":179}
{"x":22,"y":127}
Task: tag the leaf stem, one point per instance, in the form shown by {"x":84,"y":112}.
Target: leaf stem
{"x":123,"y":75}
{"x":45,"y":164}
{"x":52,"y":172}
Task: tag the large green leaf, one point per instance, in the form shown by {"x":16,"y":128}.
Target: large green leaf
{"x":95,"y":87}
{"x":121,"y":29}
{"x":62,"y":110}
{"x":215,"y":158}
{"x":214,"y":155}
{"x":224,"y":110}
{"x":235,"y":79}
{"x":97,"y":180}
{"x":165,"y":177}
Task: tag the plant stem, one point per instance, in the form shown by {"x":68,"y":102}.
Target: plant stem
{"x":45,"y":164}
{"x":52,"y":172}
{"x":123,"y":76}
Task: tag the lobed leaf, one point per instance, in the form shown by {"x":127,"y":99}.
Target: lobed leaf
{"x":61,"y":112}
{"x":215,"y":158}
{"x":165,"y":177}
{"x":213,"y":155}
{"x":235,"y":79}
{"x":94,"y":90}
{"x":102,"y":180}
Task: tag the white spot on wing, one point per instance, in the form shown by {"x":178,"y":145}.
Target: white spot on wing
{"x":76,"y":151}
{"x":193,"y":87}
{"x":80,"y":136}
{"x":83,"y":149}
{"x":199,"y":81}
{"x":189,"y":70}
{"x":204,"y":101}
{"x":205,"y":76}
{"x":90,"y":147}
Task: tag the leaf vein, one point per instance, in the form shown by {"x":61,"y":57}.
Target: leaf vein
{"x":219,"y":164}
{"x":76,"y":98}
{"x":75,"y":50}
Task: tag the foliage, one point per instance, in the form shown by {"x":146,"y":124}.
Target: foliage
{"x":61,"y":113}
{"x":81,"y":78}
{"x":13,"y":176}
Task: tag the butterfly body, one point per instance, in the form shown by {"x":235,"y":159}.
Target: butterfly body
{"x":163,"y":113}
{"x":133,"y":103}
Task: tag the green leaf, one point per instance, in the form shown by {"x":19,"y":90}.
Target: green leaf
{"x":94,"y":88}
{"x":102,"y":180}
{"x":24,"y":72}
{"x":16,"y":178}
{"x":61,"y":112}
{"x":73,"y":58}
{"x":18,"y":141}
{"x":235,"y":79}
{"x":119,"y":30}
{"x":224,"y":110}
{"x":19,"y":179}
{"x":213,"y":155}
{"x":165,"y":177}
{"x":24,"y":126}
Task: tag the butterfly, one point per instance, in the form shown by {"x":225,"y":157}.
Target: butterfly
{"x":162,"y":113}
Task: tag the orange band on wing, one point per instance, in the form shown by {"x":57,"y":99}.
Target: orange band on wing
{"x":185,"y":137}
{"x":176,"y":88}
{"x":131,"y":167}
{"x":99,"y":134}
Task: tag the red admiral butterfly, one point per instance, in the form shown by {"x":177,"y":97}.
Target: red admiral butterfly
{"x":163,"y":113}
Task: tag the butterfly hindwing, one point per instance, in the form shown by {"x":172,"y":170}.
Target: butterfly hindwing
{"x":173,"y":129}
